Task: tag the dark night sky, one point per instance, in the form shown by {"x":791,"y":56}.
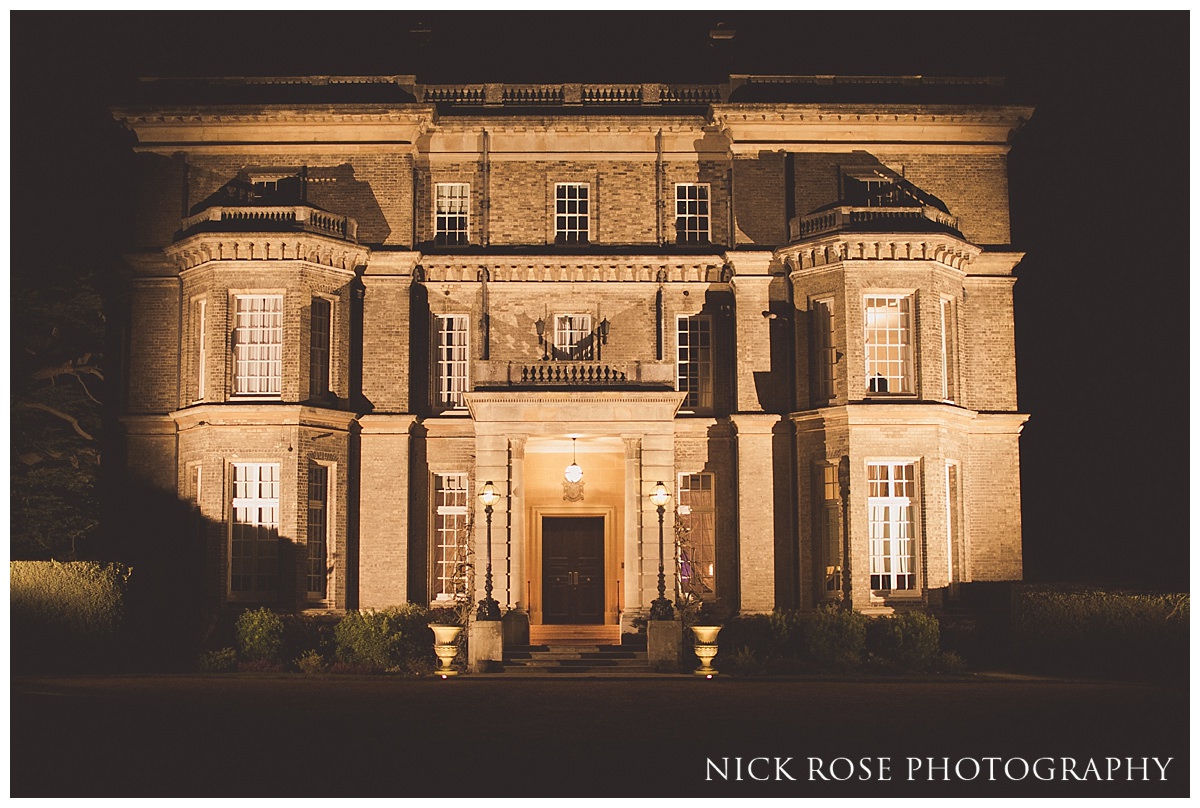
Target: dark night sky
{"x":1098,"y":183}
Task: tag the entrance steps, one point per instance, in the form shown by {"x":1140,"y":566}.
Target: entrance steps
{"x":562,"y":659}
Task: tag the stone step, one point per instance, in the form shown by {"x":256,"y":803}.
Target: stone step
{"x":558,"y":659}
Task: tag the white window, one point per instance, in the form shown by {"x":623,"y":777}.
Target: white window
{"x":573,"y":338}
{"x":449,"y":537}
{"x":452,"y":346}
{"x":452,"y":210}
{"x":828,"y":529}
{"x":319,"y":348}
{"x":888,"y":332}
{"x":692,"y":213}
{"x":891,"y":524}
{"x":254,"y":530}
{"x":258,"y":345}
{"x":694,"y":373}
{"x":201,"y":331}
{"x":571,"y":212}
{"x":824,"y":350}
{"x":949,"y":350}
{"x":697,"y":539}
{"x":318,"y":531}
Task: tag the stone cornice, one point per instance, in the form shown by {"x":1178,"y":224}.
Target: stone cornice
{"x":203,"y":248}
{"x":817,"y":254}
{"x":917,"y":414}
{"x":233,"y":414}
{"x":752,"y":127}
{"x":996,"y":263}
{"x":193,"y":128}
{"x":566,"y":268}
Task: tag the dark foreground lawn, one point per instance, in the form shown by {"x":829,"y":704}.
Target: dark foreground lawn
{"x":289,"y":735}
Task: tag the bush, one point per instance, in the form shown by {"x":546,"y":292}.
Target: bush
{"x":1102,"y":633}
{"x":396,"y":639}
{"x":260,"y":635}
{"x":222,"y":661}
{"x":908,"y":641}
{"x":66,"y":616}
{"x":834,"y":639}
{"x":311,"y":662}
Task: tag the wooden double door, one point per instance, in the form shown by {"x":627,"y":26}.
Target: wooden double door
{"x":573,"y":569}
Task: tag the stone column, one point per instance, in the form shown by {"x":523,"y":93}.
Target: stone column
{"x":515,"y":600}
{"x":634,"y":559}
{"x":756,"y":511}
{"x":383,"y":510}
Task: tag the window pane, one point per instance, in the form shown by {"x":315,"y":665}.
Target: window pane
{"x":452,"y":347}
{"x":254,"y":533}
{"x":258,"y":345}
{"x":451,"y":212}
{"x":696,"y":535}
{"x":571,"y":212}
{"x":691,"y":213}
{"x":318,"y":526}
{"x":450,"y":537}
{"x":887,"y":343}
{"x":891,"y":526}
{"x":694,"y":372}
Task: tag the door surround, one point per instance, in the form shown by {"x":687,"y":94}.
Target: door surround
{"x":613,"y":558}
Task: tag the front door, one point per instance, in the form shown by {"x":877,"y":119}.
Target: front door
{"x":573,"y":569}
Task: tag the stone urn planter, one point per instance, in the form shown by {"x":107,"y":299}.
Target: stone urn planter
{"x":706,"y":648}
{"x":445,"y":645}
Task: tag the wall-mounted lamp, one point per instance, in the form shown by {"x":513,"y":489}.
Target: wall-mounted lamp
{"x":539,"y":325}
{"x":602,"y":331}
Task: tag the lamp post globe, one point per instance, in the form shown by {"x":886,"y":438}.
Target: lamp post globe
{"x":488,"y":609}
{"x":660,"y":607}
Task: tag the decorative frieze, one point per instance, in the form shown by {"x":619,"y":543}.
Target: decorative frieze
{"x":558,"y":269}
{"x":946,"y":250}
{"x":203,"y":248}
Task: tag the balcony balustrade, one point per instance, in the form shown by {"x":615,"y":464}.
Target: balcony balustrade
{"x":579,"y":374}
{"x":881,"y":219}
{"x":271,"y":219}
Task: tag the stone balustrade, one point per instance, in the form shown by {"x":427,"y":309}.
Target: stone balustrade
{"x":858,"y":218}
{"x":272,"y":219}
{"x":585,"y":373}
{"x":571,"y":94}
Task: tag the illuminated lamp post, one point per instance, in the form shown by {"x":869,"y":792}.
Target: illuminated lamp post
{"x":661,"y":608}
{"x":489,"y":609}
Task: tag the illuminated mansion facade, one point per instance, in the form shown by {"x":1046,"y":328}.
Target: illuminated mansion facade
{"x":357,"y":300}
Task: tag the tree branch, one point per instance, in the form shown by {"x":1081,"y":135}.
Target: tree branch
{"x":60,"y":414}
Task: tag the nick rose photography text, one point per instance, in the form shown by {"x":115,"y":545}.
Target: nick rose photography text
{"x":841,"y":769}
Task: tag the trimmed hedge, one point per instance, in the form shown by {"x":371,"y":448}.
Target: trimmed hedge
{"x":1089,"y":632}
{"x":396,"y":640}
{"x":66,"y":615}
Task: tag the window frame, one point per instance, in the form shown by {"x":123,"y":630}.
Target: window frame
{"x":683,"y":233}
{"x":315,"y":387}
{"x":567,"y":222}
{"x":446,"y":360}
{"x":901,"y":354}
{"x":824,"y":349}
{"x":200,"y":332}
{"x":583,"y":347}
{"x":324,"y":558}
{"x":827,"y":515}
{"x":457,"y":520}
{"x":442,"y":219}
{"x":902,"y":511}
{"x":240,"y":378}
{"x":683,"y":491}
{"x":948,"y":317}
{"x":255,"y":559}
{"x":699,"y":399}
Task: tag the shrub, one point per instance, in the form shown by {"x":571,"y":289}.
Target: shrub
{"x":260,"y":635}
{"x":66,"y":615}
{"x":835,"y":638}
{"x":396,"y":639}
{"x":222,"y":661}
{"x":1102,"y":633}
{"x":743,"y":662}
{"x":311,"y":662}
{"x":908,"y":641}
